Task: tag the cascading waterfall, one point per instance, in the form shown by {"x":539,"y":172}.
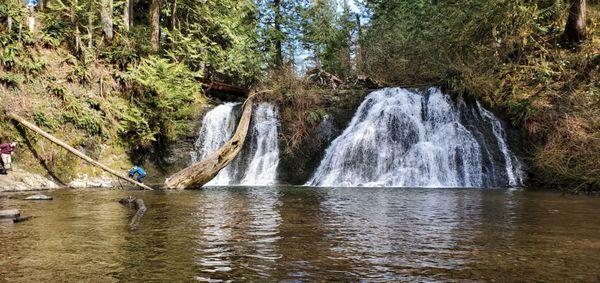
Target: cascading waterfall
{"x":513,"y":166}
{"x":406,"y":138}
{"x":218,"y":125}
{"x":257,"y":164}
{"x":264,"y":148}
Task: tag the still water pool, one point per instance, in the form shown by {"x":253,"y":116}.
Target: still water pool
{"x":304,"y":234}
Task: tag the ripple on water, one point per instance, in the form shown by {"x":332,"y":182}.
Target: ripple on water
{"x":305,"y":234}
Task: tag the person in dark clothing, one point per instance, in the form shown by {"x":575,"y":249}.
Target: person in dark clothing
{"x":6,"y":150}
{"x":141,"y":173}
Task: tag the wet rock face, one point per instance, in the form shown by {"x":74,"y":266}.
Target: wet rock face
{"x":19,"y":180}
{"x":174,"y":156}
{"x":298,"y":167}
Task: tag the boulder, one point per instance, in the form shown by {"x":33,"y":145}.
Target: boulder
{"x":9,"y":213}
{"x":38,"y":197}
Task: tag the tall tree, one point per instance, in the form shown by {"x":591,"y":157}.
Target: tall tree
{"x":74,"y":17}
{"x":155,"y":23}
{"x":575,"y":31}
{"x":278,"y":34}
{"x":106,"y":11}
{"x":127,"y":15}
{"x":173,"y":15}
{"x":90,"y":26}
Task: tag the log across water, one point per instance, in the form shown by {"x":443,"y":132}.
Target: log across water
{"x":73,"y":150}
{"x":202,"y":172}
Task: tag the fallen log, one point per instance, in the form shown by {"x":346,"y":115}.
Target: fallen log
{"x":137,"y":204}
{"x":200,"y":173}
{"x":38,"y":197}
{"x":21,"y":219}
{"x":73,"y":150}
{"x":9,"y":213}
{"x":210,"y":86}
{"x":141,"y":209}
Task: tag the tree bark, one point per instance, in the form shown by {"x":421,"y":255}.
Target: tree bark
{"x":9,"y":23}
{"x":127,"y":15}
{"x":31,"y":18}
{"x":75,"y":24}
{"x":155,"y":24}
{"x":173,"y":15}
{"x":575,"y":31}
{"x":106,"y":11}
{"x":202,"y":172}
{"x":278,"y":34}
{"x":90,"y":27}
{"x":73,"y":150}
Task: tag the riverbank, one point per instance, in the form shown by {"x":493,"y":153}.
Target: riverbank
{"x":19,"y":180}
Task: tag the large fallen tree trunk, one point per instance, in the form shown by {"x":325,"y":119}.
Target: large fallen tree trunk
{"x":202,"y":172}
{"x":72,"y":150}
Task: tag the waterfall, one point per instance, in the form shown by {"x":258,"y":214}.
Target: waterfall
{"x":513,"y":166}
{"x":218,"y":125}
{"x":264,"y":149}
{"x":256,"y":165}
{"x":407,"y":138}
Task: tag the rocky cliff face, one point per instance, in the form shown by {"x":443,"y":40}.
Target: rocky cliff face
{"x":21,"y":180}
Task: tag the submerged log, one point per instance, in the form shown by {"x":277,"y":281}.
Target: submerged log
{"x":38,"y":197}
{"x":73,"y":150}
{"x":21,"y":219}
{"x":9,"y":213}
{"x":141,"y":209}
{"x":202,"y":172}
{"x":137,"y":204}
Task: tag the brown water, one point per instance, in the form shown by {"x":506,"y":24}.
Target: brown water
{"x":302,"y":234}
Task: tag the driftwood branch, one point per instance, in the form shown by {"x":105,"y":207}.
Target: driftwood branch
{"x":137,"y":204}
{"x":202,"y":172}
{"x":73,"y":150}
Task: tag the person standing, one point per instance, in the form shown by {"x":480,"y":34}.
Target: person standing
{"x":6,"y":150}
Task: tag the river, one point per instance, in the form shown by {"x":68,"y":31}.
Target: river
{"x":301,"y":234}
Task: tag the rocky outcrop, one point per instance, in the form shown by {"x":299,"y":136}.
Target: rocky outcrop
{"x":19,"y":180}
{"x":84,"y":181}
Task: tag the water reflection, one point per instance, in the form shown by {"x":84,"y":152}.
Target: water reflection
{"x":304,"y":234}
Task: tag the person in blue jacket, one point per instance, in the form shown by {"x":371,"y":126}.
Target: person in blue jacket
{"x":139,"y":171}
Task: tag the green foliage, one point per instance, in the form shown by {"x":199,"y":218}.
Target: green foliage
{"x":219,"y":39}
{"x":11,"y":79}
{"x":162,"y":98}
{"x":315,"y":115}
{"x":328,"y":35}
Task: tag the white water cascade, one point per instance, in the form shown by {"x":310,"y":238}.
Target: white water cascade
{"x":406,"y":138}
{"x":257,"y":164}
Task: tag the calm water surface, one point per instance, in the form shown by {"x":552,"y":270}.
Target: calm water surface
{"x":304,"y":234}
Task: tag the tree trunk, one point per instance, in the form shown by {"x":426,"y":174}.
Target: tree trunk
{"x":90,"y":27}
{"x":173,"y":15}
{"x":360,"y":55}
{"x":75,"y":24}
{"x":127,"y":15}
{"x":106,"y":11}
{"x":575,"y":31}
{"x":31,"y":19}
{"x":278,"y":34}
{"x":72,"y":150}
{"x":202,"y":172}
{"x":155,"y":23}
